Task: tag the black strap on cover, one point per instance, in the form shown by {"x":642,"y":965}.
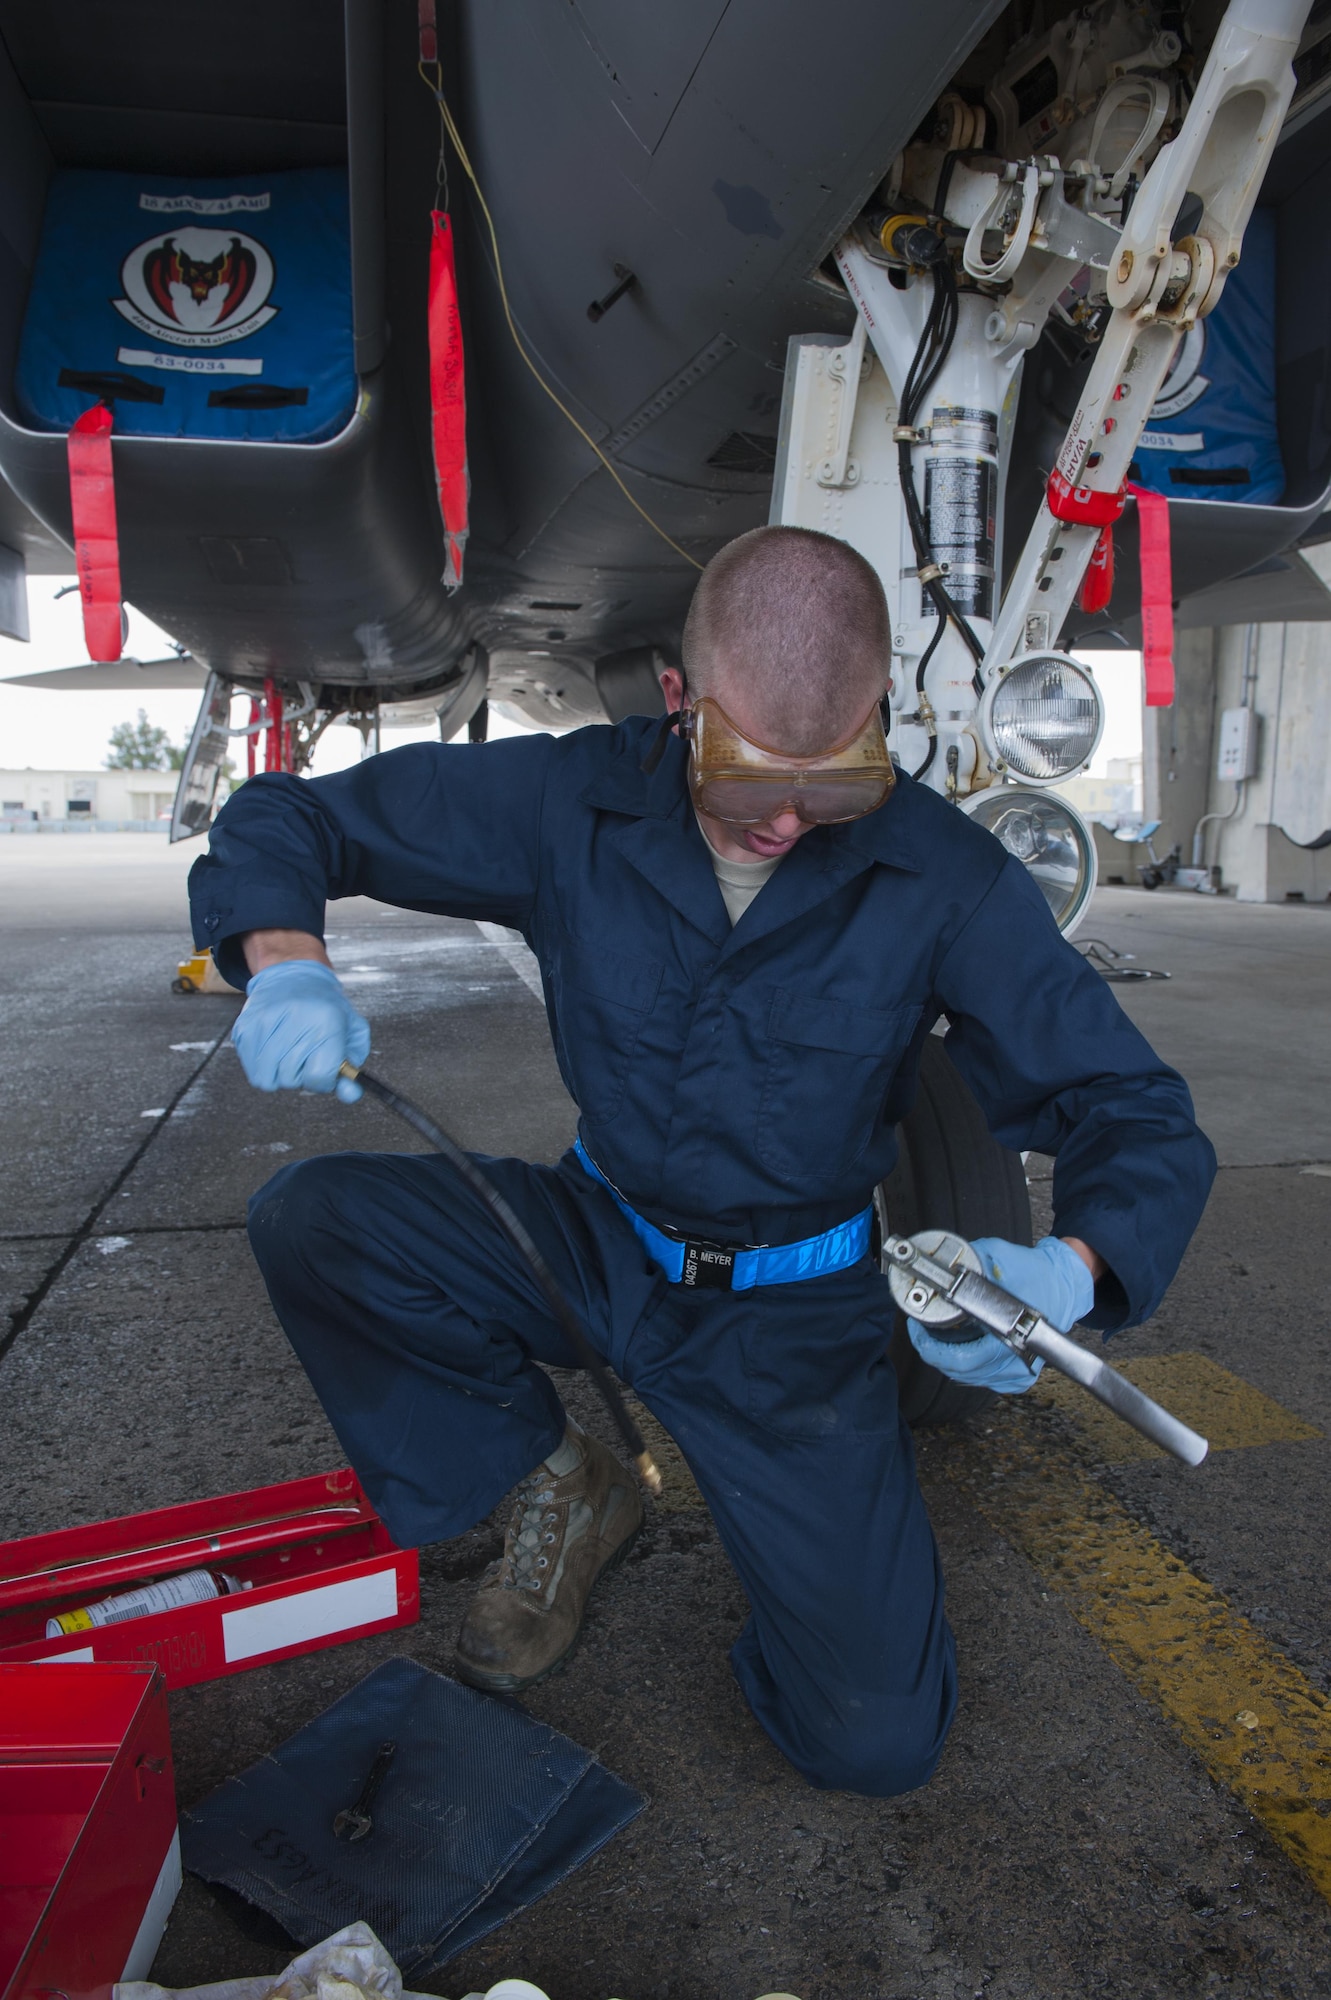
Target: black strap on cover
{"x":257,"y":396}
{"x":111,"y":387}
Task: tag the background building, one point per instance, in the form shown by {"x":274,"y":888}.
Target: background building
{"x":1253,"y":799}
{"x":1116,"y":794}
{"x":121,"y":799}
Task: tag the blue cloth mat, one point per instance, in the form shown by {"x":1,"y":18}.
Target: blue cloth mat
{"x":481,"y":1811}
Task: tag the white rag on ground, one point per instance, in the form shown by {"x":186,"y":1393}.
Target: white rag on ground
{"x":351,"y":1965}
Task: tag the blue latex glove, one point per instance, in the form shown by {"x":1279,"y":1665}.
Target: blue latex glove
{"x":1051,"y":1277}
{"x":296,"y":1027}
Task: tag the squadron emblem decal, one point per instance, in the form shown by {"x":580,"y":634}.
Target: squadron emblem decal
{"x":197,"y":287}
{"x":1185,"y":381}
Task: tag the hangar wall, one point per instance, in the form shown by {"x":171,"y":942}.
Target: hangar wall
{"x":1260,"y":833}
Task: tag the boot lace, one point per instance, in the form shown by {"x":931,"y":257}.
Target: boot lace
{"x":531,"y":1533}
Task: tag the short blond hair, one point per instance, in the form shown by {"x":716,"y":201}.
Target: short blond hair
{"x":798,"y":619}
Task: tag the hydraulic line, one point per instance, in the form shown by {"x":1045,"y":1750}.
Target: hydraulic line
{"x":481,"y":1185}
{"x":935,"y":345}
{"x":922,"y":699}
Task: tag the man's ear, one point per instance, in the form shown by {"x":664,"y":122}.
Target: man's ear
{"x":672,"y":687}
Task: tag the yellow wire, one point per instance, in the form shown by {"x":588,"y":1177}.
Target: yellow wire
{"x":436,"y":91}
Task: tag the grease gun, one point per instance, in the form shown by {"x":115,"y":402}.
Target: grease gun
{"x":938,"y":1279}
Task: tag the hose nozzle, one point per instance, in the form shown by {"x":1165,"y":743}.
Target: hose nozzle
{"x":647,"y":1472}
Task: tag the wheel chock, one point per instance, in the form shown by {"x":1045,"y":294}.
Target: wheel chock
{"x":198,"y":974}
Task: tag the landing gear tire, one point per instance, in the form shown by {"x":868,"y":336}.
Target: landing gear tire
{"x":951,"y":1173}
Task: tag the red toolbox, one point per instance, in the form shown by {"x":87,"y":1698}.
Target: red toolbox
{"x":316,"y":1564}
{"x":89,"y":1852}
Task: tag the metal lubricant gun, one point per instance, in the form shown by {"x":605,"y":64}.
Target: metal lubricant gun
{"x":937,"y":1279}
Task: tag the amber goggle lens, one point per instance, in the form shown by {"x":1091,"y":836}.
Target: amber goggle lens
{"x":733,"y":778}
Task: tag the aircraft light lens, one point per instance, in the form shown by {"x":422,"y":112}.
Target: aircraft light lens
{"x":1049,"y":838}
{"x":1043,"y":717}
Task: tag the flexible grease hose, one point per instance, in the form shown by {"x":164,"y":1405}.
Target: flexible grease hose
{"x":481,"y":1185}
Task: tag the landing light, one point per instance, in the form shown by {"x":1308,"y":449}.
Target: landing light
{"x":1050,"y":839}
{"x":1042,"y":717}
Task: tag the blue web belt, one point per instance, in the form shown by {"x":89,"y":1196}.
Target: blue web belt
{"x":692,"y":1260}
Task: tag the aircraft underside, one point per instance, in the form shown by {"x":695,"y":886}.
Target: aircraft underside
{"x":685,"y":175}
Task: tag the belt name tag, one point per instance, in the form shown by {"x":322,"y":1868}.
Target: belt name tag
{"x":709,"y":1266}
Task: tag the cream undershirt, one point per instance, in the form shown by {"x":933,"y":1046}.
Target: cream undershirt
{"x":740,"y":881}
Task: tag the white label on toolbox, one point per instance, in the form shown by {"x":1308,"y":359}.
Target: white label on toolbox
{"x":189,"y":364}
{"x":63,"y":1659}
{"x":309,"y":1614}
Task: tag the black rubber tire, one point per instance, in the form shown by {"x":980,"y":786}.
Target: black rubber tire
{"x":951,"y":1173}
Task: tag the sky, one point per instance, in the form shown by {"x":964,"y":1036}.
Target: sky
{"x":70,"y":731}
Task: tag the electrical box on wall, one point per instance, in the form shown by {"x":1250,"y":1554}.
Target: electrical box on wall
{"x":1238,"y":744}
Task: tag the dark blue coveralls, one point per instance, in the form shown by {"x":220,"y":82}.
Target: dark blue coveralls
{"x":741,"y":1085}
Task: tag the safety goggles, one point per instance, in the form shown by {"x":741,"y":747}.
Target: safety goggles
{"x":732,"y":778}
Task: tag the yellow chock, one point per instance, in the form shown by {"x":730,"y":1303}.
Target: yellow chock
{"x":198,"y":974}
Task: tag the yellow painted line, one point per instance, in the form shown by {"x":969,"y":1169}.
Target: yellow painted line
{"x":1225,"y":1409}
{"x":1257,"y":1724}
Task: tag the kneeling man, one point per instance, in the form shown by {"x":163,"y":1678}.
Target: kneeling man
{"x":746,"y":924}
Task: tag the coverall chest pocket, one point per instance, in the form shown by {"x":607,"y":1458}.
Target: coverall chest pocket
{"x":827,"y":1073}
{"x":602,"y":999}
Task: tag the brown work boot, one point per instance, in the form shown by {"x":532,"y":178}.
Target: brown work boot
{"x":562,"y":1533}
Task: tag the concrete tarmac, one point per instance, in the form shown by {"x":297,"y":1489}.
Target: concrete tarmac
{"x":1094,"y":1827}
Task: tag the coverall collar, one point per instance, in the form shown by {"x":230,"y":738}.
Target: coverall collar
{"x":664,"y":842}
